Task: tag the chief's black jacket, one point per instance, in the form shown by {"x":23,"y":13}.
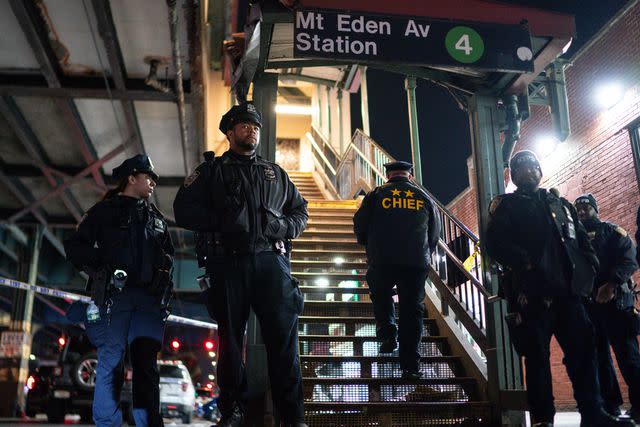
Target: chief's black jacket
{"x":398,"y":224}
{"x":616,"y":253}
{"x":123,"y":233}
{"x":251,"y":202}
{"x":541,"y":231}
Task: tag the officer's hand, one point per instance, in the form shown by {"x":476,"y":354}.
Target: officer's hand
{"x":605,"y":293}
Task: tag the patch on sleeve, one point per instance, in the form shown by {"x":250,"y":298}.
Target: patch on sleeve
{"x":622,"y":231}
{"x":494,"y":204}
{"x":191,"y":178}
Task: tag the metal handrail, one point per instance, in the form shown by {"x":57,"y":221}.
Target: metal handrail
{"x":461,"y":290}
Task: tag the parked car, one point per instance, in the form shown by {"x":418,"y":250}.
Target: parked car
{"x":177,"y":394}
{"x":38,"y":383}
{"x":207,"y":404}
{"x":74,"y":378}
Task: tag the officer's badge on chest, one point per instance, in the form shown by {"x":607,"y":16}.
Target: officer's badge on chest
{"x":158,"y":225}
{"x":269,"y":174}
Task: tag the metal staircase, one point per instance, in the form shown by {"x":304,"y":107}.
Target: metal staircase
{"x":347,"y":382}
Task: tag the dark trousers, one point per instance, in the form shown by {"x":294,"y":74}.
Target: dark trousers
{"x":136,"y":320}
{"x":410,"y":284}
{"x":264,"y":283}
{"x":617,"y":329}
{"x":566,"y":318}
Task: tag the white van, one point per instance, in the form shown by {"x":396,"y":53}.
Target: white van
{"x":177,"y":394}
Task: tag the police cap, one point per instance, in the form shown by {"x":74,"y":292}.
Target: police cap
{"x":246,"y":112}
{"x":140,"y":163}
{"x":524,"y":157}
{"x":587,"y":199}
{"x":398,"y":166}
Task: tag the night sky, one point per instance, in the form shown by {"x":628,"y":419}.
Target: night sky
{"x":444,"y":128}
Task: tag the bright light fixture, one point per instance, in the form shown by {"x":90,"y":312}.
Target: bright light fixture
{"x":212,"y":354}
{"x":609,"y":94}
{"x":299,"y":110}
{"x":211,"y":377}
{"x":338,"y":260}
{"x":546,"y":145}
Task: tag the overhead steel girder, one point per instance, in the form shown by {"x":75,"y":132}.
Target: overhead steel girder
{"x":85,"y":87}
{"x":109,"y":35}
{"x":76,"y":178}
{"x":36,"y":33}
{"x":30,"y":142}
{"x":24,"y":196}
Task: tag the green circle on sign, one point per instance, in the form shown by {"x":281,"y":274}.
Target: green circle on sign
{"x":464,"y":44}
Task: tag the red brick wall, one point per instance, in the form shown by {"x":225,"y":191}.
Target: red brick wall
{"x":597,"y":157}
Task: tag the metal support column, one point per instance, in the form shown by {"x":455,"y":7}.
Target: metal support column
{"x":364,"y":101}
{"x":410,"y":87}
{"x":265,"y":94}
{"x":21,"y":312}
{"x":328,"y":113}
{"x":340,"y":121}
{"x":503,"y":364}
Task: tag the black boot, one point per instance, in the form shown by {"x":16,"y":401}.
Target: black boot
{"x":234,"y":419}
{"x":602,"y":419}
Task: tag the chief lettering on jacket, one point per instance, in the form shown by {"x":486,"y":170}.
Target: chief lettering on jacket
{"x":401,"y":200}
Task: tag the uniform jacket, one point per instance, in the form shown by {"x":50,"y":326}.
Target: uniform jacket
{"x":124,"y":233}
{"x":251,"y":202}
{"x":638,"y":236}
{"x":398,"y":224}
{"x":616,"y":253}
{"x":541,"y":231}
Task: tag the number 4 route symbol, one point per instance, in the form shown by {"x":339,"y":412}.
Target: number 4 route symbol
{"x":464,"y":44}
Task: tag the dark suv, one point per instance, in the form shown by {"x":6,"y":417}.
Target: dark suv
{"x":73,"y":381}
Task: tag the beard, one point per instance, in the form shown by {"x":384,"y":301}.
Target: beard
{"x":247,"y":144}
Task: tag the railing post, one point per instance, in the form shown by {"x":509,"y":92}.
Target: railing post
{"x":364,"y":100}
{"x":503,"y":364}
{"x":410,"y":87}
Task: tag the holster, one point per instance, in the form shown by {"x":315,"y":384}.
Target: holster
{"x":99,"y":284}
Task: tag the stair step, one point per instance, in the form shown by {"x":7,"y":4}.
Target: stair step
{"x":328,"y":234}
{"x":333,"y":289}
{"x":330,"y":276}
{"x":340,"y":216}
{"x":463,"y":381}
{"x":328,"y":254}
{"x":335,"y":245}
{"x":360,"y":339}
{"x":347,"y":319}
{"x":397,"y":414}
{"x":314,"y":222}
{"x":375,"y":359}
{"x":301,"y":263}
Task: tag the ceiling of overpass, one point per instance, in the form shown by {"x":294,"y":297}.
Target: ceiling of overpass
{"x":61,"y":48}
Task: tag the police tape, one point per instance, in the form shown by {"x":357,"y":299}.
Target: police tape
{"x":83,"y":298}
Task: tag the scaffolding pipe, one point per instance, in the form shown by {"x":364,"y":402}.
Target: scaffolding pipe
{"x":177,"y":62}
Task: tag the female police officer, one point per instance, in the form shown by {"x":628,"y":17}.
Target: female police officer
{"x":124,"y":244}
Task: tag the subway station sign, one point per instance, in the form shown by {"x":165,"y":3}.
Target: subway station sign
{"x":364,"y":37}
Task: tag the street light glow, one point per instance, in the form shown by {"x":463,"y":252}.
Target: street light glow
{"x":609,"y":94}
{"x":546,"y":145}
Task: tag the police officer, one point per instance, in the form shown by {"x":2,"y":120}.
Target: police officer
{"x":398,"y":225}
{"x":612,"y":309}
{"x":250,"y":210}
{"x":638,"y":236}
{"x":124,"y":244}
{"x":537,"y":237}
